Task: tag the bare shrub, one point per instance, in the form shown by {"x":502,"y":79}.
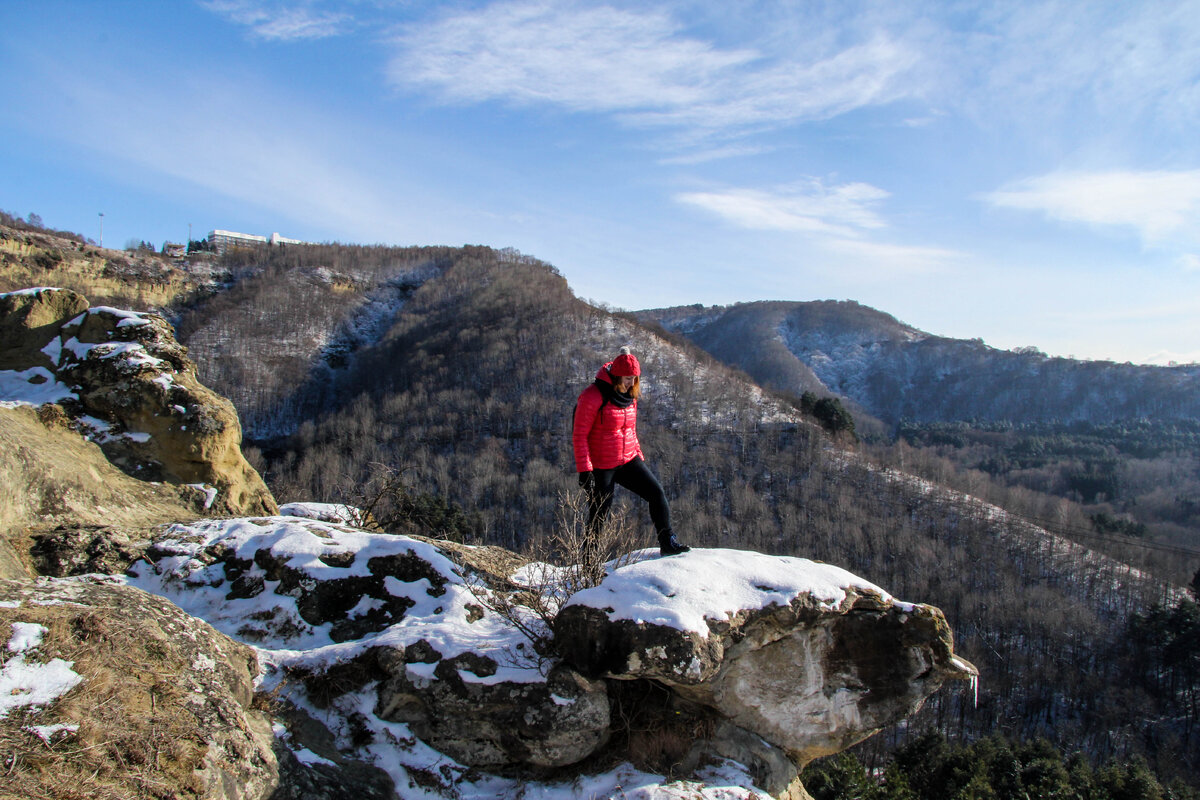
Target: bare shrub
{"x":386,"y":502}
{"x":566,"y":561}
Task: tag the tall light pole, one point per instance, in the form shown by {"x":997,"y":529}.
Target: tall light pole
{"x":102,"y":229}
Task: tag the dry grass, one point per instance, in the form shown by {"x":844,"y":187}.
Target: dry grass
{"x":654,"y":730}
{"x":135,"y":737}
{"x":105,"y":277}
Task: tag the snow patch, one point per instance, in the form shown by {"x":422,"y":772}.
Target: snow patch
{"x":47,"y":732}
{"x":686,"y":590}
{"x":323,"y":512}
{"x":31,"y":387}
{"x":32,"y":684}
{"x":210,"y":492}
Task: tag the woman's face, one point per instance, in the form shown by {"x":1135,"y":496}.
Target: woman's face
{"x":623,"y":383}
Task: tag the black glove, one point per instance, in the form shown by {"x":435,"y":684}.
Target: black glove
{"x":587,"y":480}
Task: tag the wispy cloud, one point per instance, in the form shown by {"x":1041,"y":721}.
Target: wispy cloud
{"x":906,"y":258}
{"x":1161,"y":206}
{"x":638,"y":65}
{"x":712,"y":154}
{"x":840,"y":219}
{"x":1119,"y":60}
{"x":281,"y":21}
{"x":810,"y":207}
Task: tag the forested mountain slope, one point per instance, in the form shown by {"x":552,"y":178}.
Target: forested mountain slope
{"x":1119,"y":439}
{"x":895,"y":371}
{"x":280,"y":335}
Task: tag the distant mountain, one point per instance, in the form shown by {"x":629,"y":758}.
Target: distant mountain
{"x":895,"y":371}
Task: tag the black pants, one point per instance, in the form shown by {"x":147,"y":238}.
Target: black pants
{"x":637,"y":478}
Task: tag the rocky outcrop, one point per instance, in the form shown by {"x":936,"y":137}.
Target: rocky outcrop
{"x":768,"y":661}
{"x":451,"y":704}
{"x":64,"y":506}
{"x":444,"y":664}
{"x":29,"y":321}
{"x":811,"y":666}
{"x":129,"y":385}
{"x":159,"y":704}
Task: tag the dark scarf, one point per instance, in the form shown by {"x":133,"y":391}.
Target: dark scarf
{"x":611,"y":395}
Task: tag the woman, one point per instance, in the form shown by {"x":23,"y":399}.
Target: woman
{"x":607,"y":452}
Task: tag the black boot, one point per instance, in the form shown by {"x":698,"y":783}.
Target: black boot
{"x":668,"y":545}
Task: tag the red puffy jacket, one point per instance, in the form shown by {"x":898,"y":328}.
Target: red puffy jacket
{"x":604,"y":438}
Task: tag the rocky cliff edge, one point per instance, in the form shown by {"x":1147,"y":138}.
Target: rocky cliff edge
{"x":125,"y":383}
{"x":395,"y":668}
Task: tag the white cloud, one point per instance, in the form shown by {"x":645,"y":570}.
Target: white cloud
{"x":810,"y":207}
{"x":1160,"y":205}
{"x":280,"y":21}
{"x":638,"y":65}
{"x":837,"y":219}
{"x":712,"y":154}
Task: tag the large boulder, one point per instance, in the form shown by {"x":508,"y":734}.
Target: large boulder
{"x":769,"y":661}
{"x":804,"y":655}
{"x":130,"y":386}
{"x":113,"y":692}
{"x":458,"y":707}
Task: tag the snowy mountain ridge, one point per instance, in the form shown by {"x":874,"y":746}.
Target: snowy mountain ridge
{"x":895,"y":371}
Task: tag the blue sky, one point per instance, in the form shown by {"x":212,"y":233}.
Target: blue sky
{"x":1023,"y":172}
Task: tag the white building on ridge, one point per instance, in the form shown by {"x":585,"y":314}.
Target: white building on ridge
{"x":220,"y":240}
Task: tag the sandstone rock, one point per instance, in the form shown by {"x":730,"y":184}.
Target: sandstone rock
{"x":87,"y":550}
{"x":454,"y":671}
{"x":52,"y":479}
{"x":454,"y":707}
{"x":846,"y":678}
{"x":30,"y":320}
{"x":135,"y":389}
{"x":392,"y":642}
{"x":328,"y":776}
{"x":771,"y":767}
{"x":164,"y":700}
{"x":811,"y":671}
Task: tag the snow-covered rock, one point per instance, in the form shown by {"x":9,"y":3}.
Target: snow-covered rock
{"x":805,"y":655}
{"x":388,"y":641}
{"x":129,"y":385}
{"x":330,"y":599}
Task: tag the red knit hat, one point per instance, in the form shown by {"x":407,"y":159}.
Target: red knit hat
{"x":625,"y":364}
